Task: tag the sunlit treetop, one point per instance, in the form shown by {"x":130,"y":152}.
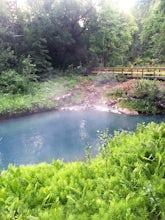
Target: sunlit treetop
{"x":124,"y":5}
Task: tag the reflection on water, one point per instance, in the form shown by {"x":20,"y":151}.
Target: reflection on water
{"x":59,"y":135}
{"x":83,"y":130}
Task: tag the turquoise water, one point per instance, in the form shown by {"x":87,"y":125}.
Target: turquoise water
{"x":59,"y":135}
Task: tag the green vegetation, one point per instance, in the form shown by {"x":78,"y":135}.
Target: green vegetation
{"x":125,"y":181}
{"x":116,"y":93}
{"x":104,"y":78}
{"x":73,"y":36}
{"x":14,"y":83}
{"x":58,"y":34}
{"x":40,"y":95}
{"x":145,"y":96}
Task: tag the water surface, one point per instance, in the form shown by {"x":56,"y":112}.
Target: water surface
{"x":59,"y":135}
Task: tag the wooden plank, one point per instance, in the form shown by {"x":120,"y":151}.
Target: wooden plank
{"x":127,"y":69}
{"x":134,"y":72}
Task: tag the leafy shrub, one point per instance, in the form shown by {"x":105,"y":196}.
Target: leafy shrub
{"x":79,"y":70}
{"x":125,"y":181}
{"x":148,"y":97}
{"x":27,"y":67}
{"x":121,"y":78}
{"x":146,"y":89}
{"x":140,"y":105}
{"x":7,"y":58}
{"x":103,"y":78}
{"x":12,"y":82}
{"x":161,"y":94}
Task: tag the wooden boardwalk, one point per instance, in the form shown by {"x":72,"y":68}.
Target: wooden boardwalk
{"x":133,"y":72}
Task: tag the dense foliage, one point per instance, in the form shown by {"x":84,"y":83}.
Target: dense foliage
{"x":149,"y":97}
{"x":150,"y":17}
{"x":73,"y":32}
{"x":145,"y":96}
{"x":125,"y":181}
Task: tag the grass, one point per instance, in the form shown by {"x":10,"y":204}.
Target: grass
{"x":42,"y":96}
{"x":116,"y":93}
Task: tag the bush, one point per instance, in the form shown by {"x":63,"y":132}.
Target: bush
{"x":161,"y":94}
{"x":125,"y":181}
{"x":7,"y":58}
{"x":103,"y":78}
{"x":121,"y":78}
{"x":27,"y":67}
{"x":12,"y":82}
{"x":148,"y":97}
{"x":146,"y":89}
{"x":140,"y":105}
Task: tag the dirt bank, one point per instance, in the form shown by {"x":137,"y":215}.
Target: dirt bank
{"x":89,"y":95}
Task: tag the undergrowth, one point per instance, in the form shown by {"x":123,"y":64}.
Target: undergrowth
{"x":41,"y":96}
{"x":145,"y":96}
{"x":125,"y":181}
{"x":104,"y":78}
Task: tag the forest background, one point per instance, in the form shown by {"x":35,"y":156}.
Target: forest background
{"x":57,"y":34}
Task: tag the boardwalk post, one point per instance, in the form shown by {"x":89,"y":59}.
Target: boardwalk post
{"x":131,"y":72}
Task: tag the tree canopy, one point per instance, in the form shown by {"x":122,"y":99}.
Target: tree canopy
{"x":60,"y":33}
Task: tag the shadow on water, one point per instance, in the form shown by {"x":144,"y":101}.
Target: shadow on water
{"x":59,"y":135}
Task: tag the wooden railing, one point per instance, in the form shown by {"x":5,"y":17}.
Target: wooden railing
{"x":133,"y":72}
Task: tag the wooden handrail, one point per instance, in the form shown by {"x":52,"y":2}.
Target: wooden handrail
{"x":127,"y":68}
{"x":134,"y":72}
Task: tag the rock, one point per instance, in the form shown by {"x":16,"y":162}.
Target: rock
{"x":128,"y":111}
{"x":161,"y":104}
{"x":63,"y":97}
